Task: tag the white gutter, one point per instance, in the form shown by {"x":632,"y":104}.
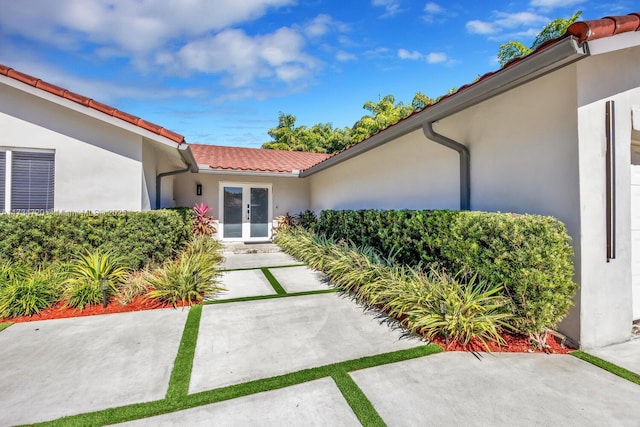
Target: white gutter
{"x":207,"y":170}
{"x":560,"y":54}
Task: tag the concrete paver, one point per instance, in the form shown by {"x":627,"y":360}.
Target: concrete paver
{"x":499,"y":390}
{"x":244,"y":283}
{"x":232,"y":260}
{"x":260,"y":339}
{"x":300,"y":279}
{"x":62,"y":367}
{"x":626,"y":355}
{"x":316,"y":403}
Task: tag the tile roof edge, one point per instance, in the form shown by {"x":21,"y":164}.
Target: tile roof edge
{"x":90,"y":103}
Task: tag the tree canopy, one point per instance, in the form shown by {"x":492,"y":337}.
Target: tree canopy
{"x":554,"y":29}
{"x":324,"y":138}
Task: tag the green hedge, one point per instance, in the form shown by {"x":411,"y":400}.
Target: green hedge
{"x":530,"y":255}
{"x":140,"y":237}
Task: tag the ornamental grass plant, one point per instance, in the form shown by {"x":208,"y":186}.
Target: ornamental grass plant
{"x":87,"y":275}
{"x":191,"y":276}
{"x":25,"y":293}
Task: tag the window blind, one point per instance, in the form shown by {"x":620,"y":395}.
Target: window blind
{"x":32,"y":181}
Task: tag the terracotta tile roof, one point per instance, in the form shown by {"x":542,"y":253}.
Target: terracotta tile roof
{"x":582,"y":30}
{"x":605,"y":27}
{"x":90,"y":103}
{"x":254,"y":159}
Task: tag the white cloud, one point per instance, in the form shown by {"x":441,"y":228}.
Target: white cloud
{"x":322,"y":25}
{"x":243,"y":59}
{"x":433,"y":8}
{"x":431,"y":58}
{"x":343,"y":56}
{"x":437,"y":57}
{"x":513,"y":20}
{"x":412,"y":55}
{"x":180,"y":37}
{"x":433,"y":12}
{"x":139,"y":27}
{"x":319,"y":26}
{"x":391,"y":6}
{"x":508,"y":25}
{"x":481,"y":27}
{"x":552,"y":4}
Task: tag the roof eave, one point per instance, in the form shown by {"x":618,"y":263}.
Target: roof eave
{"x":555,"y":56}
{"x":209,"y":170}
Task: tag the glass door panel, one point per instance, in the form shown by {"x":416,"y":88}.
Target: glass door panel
{"x":232,"y":212}
{"x":259,"y":212}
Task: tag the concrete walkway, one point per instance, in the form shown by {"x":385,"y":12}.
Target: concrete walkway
{"x":63,"y":367}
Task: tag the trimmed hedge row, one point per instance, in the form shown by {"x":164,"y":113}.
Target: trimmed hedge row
{"x":139,"y":237}
{"x":530,"y":255}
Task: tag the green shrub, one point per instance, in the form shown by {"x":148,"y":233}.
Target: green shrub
{"x":307,"y":220}
{"x":30,"y":292}
{"x":529,"y":256}
{"x":88,"y":273}
{"x":189,"y":278}
{"x":139,"y":237}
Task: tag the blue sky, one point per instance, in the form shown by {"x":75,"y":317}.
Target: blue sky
{"x":219,"y":71}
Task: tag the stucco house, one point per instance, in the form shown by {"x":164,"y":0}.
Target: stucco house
{"x":555,"y":133}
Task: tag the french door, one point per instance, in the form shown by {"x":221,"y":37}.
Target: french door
{"x":245,"y":211}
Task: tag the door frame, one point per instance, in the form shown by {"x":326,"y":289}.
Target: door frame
{"x":246,"y":224}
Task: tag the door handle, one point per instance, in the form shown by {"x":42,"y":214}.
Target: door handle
{"x":248,"y":212}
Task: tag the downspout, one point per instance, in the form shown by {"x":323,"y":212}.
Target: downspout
{"x":188,"y":159}
{"x":465,"y":162}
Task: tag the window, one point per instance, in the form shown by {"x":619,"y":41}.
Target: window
{"x":30,"y":185}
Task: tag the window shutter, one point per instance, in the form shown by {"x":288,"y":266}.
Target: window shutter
{"x":32,"y":181}
{"x":3,"y":168}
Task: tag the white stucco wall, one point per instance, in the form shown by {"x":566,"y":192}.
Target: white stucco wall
{"x":97,"y":166}
{"x":607,"y":291}
{"x":409,"y":173}
{"x":524,"y":156}
{"x":289,"y":194}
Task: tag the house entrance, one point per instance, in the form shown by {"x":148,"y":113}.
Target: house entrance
{"x":245,"y":212}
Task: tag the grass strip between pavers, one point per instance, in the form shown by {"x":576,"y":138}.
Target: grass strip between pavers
{"x":274,"y":282}
{"x":181,"y":374}
{"x":335,"y":370}
{"x":608,"y":366}
{"x":270,"y":296}
{"x":358,"y":401}
{"x":258,"y":268}
{"x":5,"y":325}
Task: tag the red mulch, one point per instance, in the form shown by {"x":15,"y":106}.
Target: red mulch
{"x":59,"y":311}
{"x":515,"y":344}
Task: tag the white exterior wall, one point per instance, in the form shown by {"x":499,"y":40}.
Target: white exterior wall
{"x":289,"y":194}
{"x":409,"y":173}
{"x":607,"y":291}
{"x":97,"y":166}
{"x":524,"y":157}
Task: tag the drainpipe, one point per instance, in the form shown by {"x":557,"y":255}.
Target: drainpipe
{"x":187,"y":158}
{"x":465,"y":162}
